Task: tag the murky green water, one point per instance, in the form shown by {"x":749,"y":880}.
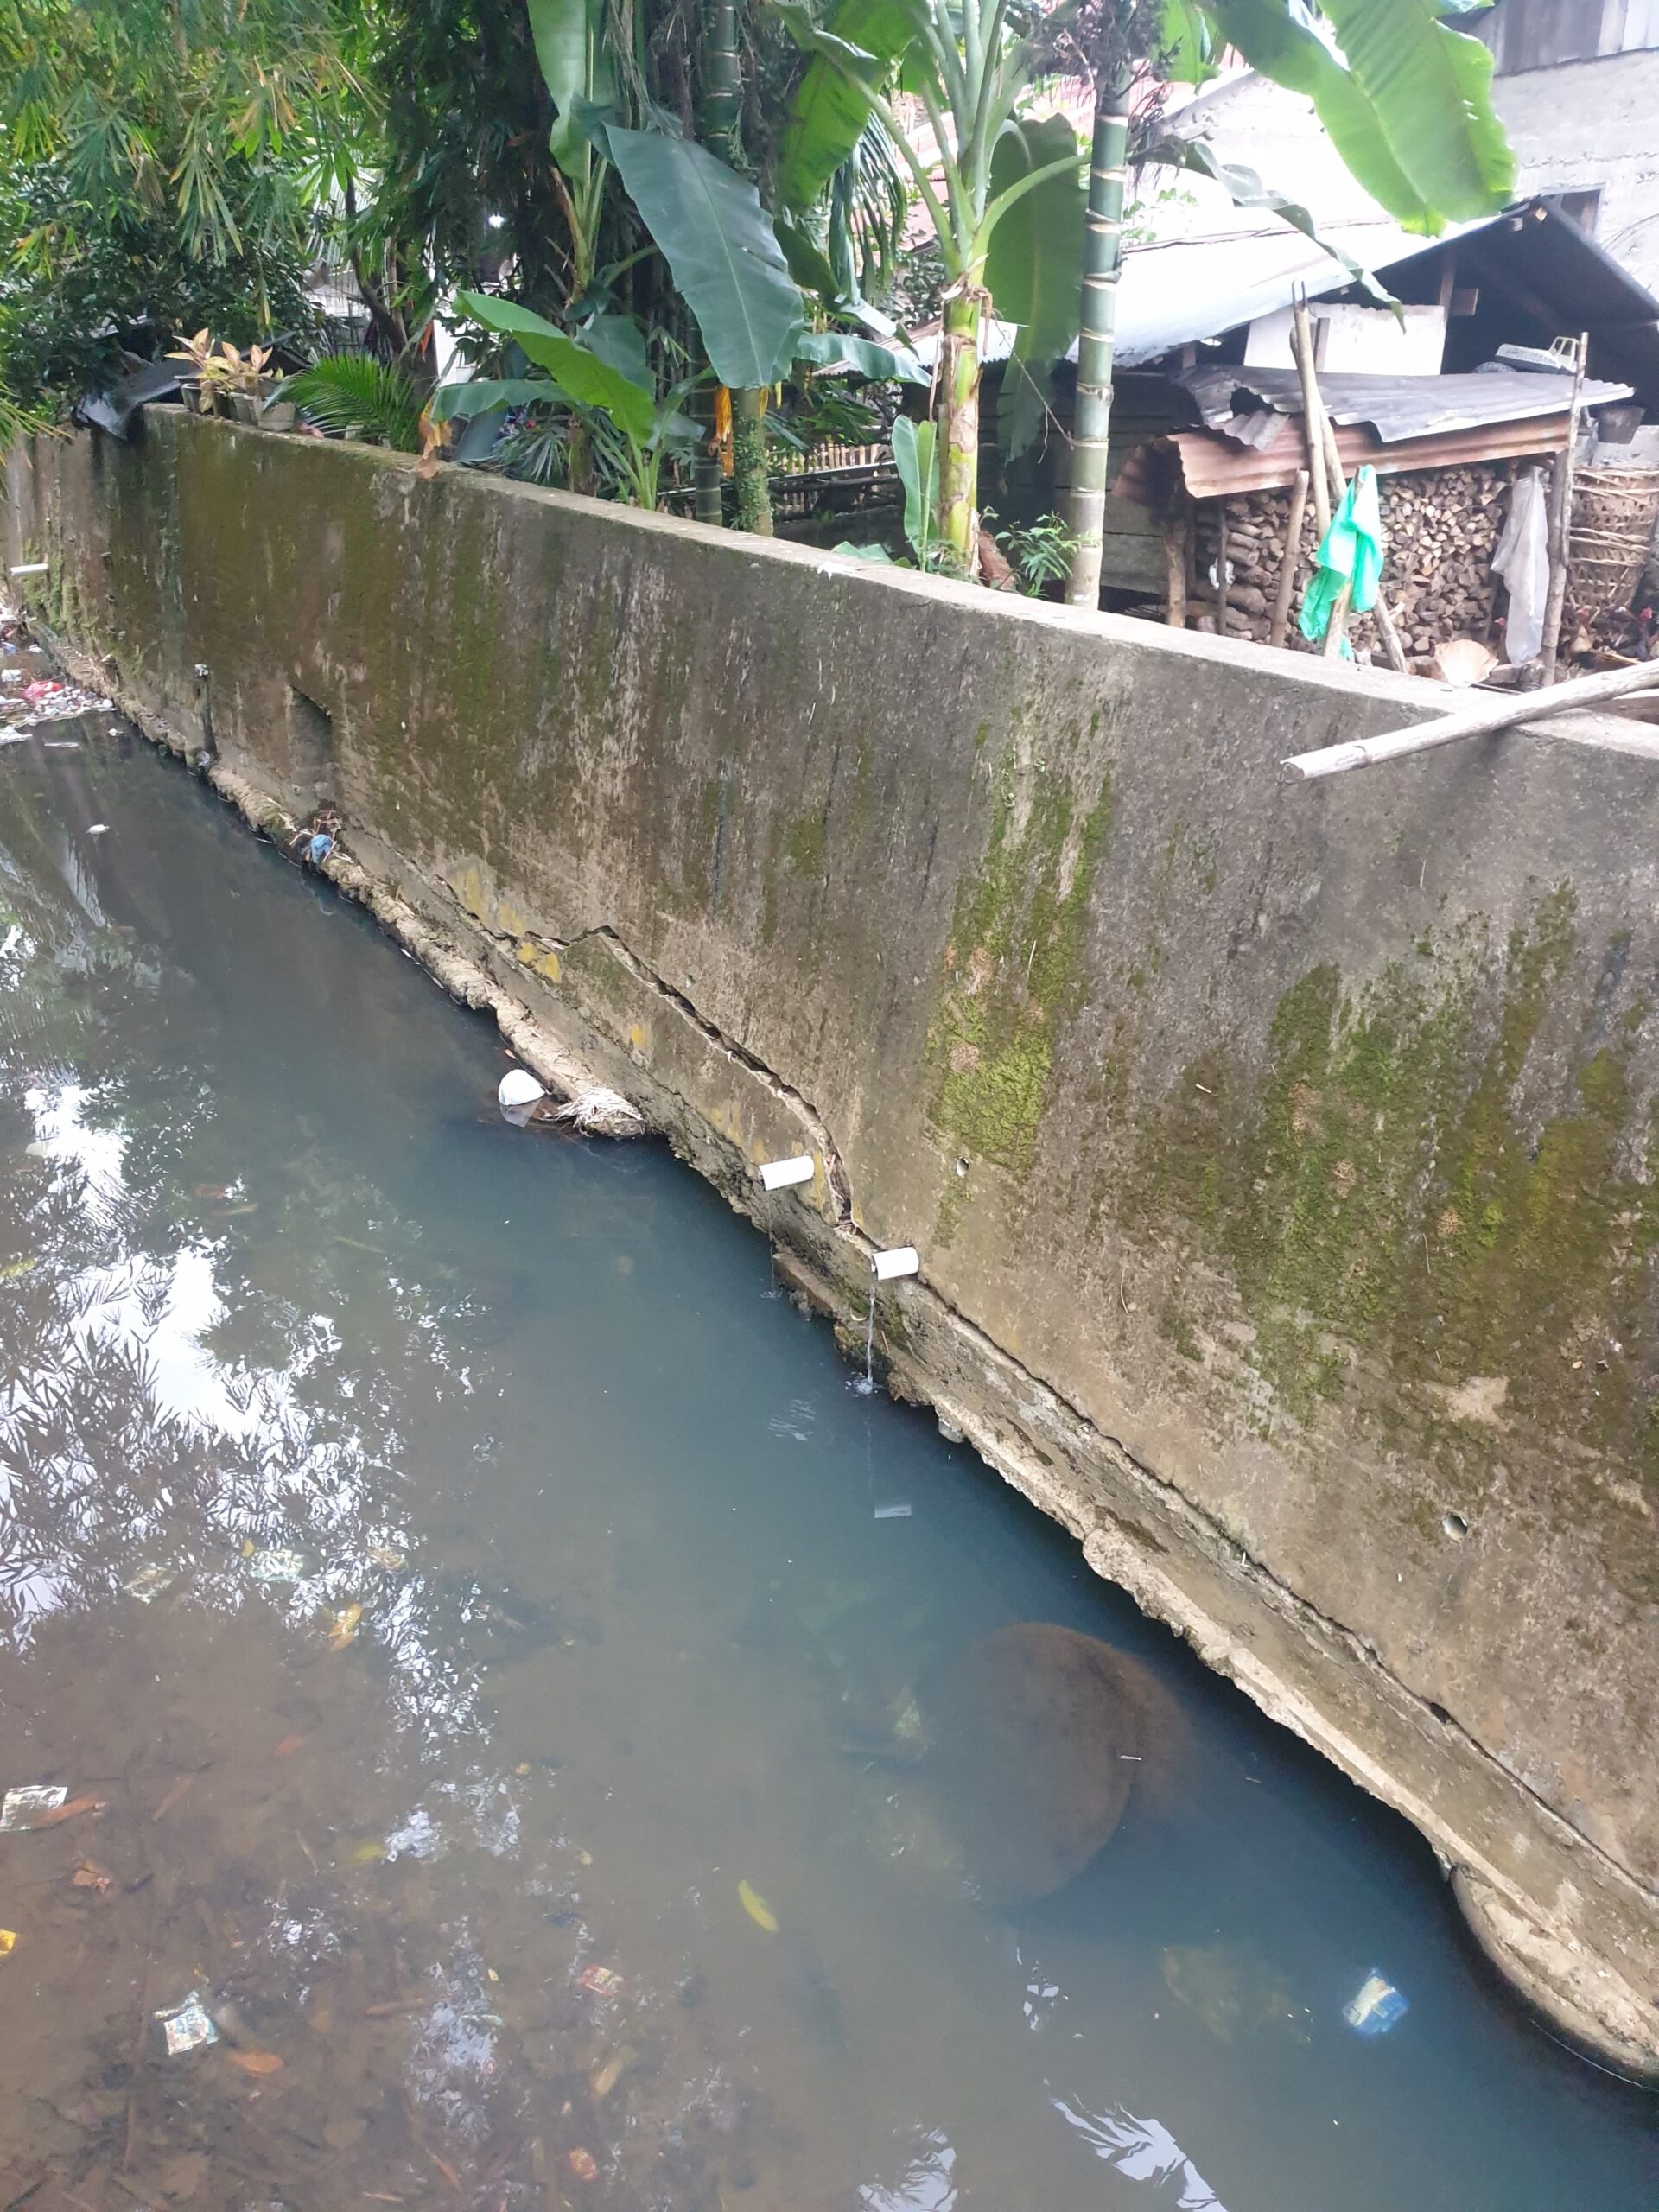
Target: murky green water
{"x":609,"y":1584}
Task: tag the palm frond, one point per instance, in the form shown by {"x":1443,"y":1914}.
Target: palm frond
{"x":351,"y":396}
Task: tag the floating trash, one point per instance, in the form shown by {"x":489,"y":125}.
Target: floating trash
{"x":388,"y":1561}
{"x":87,"y":1876}
{"x":149,"y":1583}
{"x":188,"y":2026}
{"x":757,"y":1908}
{"x":276,"y":1563}
{"x":600,"y":1981}
{"x":8,"y":1941}
{"x":582,"y":2165}
{"x":31,"y":1807}
{"x":518,"y":1094}
{"x":343,"y":1627}
{"x":601,"y":1112}
{"x":1374,"y":2008}
{"x":318,"y":848}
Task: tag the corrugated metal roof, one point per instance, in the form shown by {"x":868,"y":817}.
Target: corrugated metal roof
{"x":1181,"y":291}
{"x":1214,"y":467}
{"x":1234,"y":400}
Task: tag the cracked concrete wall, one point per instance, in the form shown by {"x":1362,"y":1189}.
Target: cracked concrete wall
{"x":1282,"y":1158}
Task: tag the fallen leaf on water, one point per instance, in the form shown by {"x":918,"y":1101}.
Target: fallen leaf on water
{"x":180,"y":1788}
{"x":219,"y":1191}
{"x":757,"y":1908}
{"x":583,"y":2165}
{"x":345,"y":1627}
{"x":447,"y":2171}
{"x":8,"y":1941}
{"x":364,"y":1854}
{"x":89,"y":1876}
{"x":11,"y":1269}
{"x":69,"y":1812}
{"x":288,"y":1746}
{"x":255,"y":2062}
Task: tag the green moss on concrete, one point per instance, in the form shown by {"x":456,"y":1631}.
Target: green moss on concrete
{"x":1014,"y":965}
{"x":1388,"y":1190}
{"x":804,"y":842}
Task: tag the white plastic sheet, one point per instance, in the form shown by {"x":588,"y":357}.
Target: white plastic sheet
{"x":1522,"y":559}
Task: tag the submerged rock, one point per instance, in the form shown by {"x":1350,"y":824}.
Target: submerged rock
{"x":1028,"y":1748}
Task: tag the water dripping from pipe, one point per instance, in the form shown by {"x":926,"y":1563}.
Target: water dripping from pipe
{"x":865,"y":1383}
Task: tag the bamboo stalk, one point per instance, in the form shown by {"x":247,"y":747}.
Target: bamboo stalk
{"x":1302,"y":340}
{"x":1176,"y":531}
{"x":1503,"y":713}
{"x":1288,"y":565}
{"x":1331,"y":649}
{"x":1097,"y":339}
{"x":1560,"y":521}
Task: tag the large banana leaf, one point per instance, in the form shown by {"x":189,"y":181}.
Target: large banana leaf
{"x":828,"y":112}
{"x":839,"y":349}
{"x":579,"y":374}
{"x":569,"y":36}
{"x":1245,"y":188}
{"x":1432,"y":86}
{"x":461,"y":401}
{"x":916,"y":456}
{"x":1374,"y":121}
{"x":1030,"y":271}
{"x":721,"y":252}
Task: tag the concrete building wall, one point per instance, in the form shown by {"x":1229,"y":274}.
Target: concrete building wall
{"x":1282,"y":1158}
{"x":1589,"y":126}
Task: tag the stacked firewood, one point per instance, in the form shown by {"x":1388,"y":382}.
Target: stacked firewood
{"x":1441,"y":527}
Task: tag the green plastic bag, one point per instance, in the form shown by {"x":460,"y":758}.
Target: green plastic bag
{"x":1351,"y":550}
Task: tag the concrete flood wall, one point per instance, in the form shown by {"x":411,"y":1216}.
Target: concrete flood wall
{"x":1282,"y":1158}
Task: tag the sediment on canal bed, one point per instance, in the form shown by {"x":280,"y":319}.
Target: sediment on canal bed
{"x":1281,"y":1160}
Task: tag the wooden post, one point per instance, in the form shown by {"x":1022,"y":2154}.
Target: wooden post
{"x":1288,"y":565}
{"x":1224,"y":588}
{"x":1498,"y":712}
{"x":1302,"y":346}
{"x":1560,"y":522}
{"x":1327,"y":463}
{"x":1176,"y":527}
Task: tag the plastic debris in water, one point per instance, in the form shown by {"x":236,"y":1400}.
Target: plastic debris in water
{"x":517,"y":1094}
{"x":582,"y":2165}
{"x":600,"y":1981}
{"x":188,"y":2026}
{"x":1375,"y":2006}
{"x":276,"y":1564}
{"x":342,"y":1628}
{"x":601,"y":1112}
{"x":31,"y":1807}
{"x":8,"y":1941}
{"x":388,"y":1561}
{"x":757,"y":1908}
{"x":149,"y":1583}
{"x":318,"y":848}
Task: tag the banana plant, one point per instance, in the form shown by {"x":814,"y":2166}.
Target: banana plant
{"x":602,"y":379}
{"x":1404,"y":98}
{"x":970,"y":65}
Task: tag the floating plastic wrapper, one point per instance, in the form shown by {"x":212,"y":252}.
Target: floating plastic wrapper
{"x":186,"y":2026}
{"x":1375,"y":2006}
{"x":149,"y":1583}
{"x":21,"y":1809}
{"x":278,"y":1564}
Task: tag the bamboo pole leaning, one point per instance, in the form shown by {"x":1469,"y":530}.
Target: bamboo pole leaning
{"x":1561,"y":519}
{"x":1504,"y":711}
{"x":1288,"y":567}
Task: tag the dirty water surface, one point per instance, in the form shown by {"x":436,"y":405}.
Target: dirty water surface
{"x":519,"y":1730}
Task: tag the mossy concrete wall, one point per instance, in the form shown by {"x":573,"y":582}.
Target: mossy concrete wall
{"x":1283,"y":1160}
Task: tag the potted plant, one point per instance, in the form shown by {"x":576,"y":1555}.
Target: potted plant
{"x":208,"y":391}
{"x":249,"y":386}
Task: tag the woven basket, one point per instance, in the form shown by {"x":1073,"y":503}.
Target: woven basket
{"x":1614,"y":510}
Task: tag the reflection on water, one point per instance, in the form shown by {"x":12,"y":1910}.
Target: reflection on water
{"x":476,"y":1633}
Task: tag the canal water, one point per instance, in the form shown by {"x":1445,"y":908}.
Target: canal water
{"x":475,"y":1627}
